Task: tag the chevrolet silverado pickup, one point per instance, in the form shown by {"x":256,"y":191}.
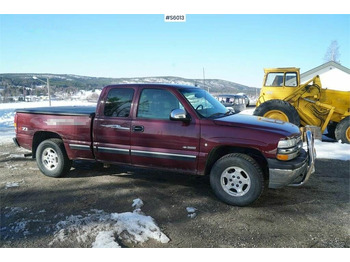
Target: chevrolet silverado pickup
{"x":177,"y":127}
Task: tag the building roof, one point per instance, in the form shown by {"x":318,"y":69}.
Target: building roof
{"x":330,"y":65}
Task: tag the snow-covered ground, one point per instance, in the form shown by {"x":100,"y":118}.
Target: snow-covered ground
{"x":106,"y":230}
{"x":327,"y":149}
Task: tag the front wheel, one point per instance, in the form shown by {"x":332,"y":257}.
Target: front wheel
{"x":278,"y":109}
{"x":52,"y":159}
{"x":237,"y":179}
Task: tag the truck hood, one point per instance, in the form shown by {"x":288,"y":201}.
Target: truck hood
{"x":259,"y":123}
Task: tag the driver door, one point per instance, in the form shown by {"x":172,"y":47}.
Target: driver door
{"x":158,"y":141}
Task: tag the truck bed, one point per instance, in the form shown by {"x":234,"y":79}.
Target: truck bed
{"x":72,"y":124}
{"x":61,"y":110}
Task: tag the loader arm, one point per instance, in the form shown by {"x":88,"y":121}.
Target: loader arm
{"x":306,"y":90}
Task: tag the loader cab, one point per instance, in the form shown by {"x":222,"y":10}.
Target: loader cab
{"x":279,"y":83}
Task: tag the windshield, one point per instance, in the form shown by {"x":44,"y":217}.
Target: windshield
{"x":204,"y":103}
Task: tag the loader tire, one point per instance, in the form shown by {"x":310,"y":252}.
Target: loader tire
{"x":278,"y":109}
{"x":342,"y":131}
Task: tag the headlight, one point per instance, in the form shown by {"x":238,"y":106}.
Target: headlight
{"x":287,"y":143}
{"x":289,"y":148}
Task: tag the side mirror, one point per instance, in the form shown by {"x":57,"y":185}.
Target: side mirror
{"x":179,"y":115}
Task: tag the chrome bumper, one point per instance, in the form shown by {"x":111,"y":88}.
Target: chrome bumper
{"x":295,"y":173}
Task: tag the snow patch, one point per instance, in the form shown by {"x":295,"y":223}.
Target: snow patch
{"x":137,"y":203}
{"x":13,"y":211}
{"x":248,"y":111}
{"x":106,"y":229}
{"x":191,"y":212}
{"x":105,"y":239}
{"x":191,"y":209}
{"x":329,"y":150}
{"x":16,"y":156}
{"x":13,"y":184}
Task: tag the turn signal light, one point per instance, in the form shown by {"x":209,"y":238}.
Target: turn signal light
{"x":283,"y":157}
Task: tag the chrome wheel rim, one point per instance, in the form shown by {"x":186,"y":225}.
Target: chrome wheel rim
{"x":235,"y":181}
{"x":49,"y":158}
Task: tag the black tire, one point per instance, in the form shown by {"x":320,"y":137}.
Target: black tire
{"x":237,"y":179}
{"x":52,"y":159}
{"x":288,"y":112}
{"x":342,"y":130}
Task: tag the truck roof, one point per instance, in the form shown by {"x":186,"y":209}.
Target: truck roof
{"x":176,"y":86}
{"x":282,"y":69}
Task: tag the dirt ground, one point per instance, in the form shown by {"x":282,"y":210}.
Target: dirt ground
{"x":315,"y":215}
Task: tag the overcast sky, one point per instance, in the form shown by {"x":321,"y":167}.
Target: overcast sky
{"x":230,"y":47}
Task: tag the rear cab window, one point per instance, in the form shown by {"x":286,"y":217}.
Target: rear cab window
{"x":118,"y":102}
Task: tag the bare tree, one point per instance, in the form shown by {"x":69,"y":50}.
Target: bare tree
{"x":332,"y":53}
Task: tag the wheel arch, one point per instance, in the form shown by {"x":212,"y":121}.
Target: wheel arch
{"x":221,"y":151}
{"x":39,"y":137}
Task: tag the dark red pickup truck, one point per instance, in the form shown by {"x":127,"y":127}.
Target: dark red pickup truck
{"x":172,"y":127}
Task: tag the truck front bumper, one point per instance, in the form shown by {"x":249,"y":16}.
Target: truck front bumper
{"x":295,"y":172}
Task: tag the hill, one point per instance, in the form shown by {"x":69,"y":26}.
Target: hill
{"x":15,"y":84}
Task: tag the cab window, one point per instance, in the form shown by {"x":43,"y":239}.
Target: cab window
{"x":291,"y":79}
{"x":274,"y":79}
{"x":118,"y":102}
{"x":157,"y":104}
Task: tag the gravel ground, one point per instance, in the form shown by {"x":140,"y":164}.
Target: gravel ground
{"x":315,"y":215}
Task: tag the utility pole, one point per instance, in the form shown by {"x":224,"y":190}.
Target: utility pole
{"x":48,"y":87}
{"x":204,"y":79}
{"x":48,"y":90}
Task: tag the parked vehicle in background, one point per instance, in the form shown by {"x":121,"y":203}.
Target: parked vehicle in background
{"x":237,"y":102}
{"x":172,"y":127}
{"x":246,"y":98}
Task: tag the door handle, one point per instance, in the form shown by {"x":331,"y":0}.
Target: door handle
{"x":138,"y":128}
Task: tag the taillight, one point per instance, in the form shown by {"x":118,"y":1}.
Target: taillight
{"x":15,"y":123}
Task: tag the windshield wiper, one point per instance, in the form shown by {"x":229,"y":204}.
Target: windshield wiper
{"x":219,"y":114}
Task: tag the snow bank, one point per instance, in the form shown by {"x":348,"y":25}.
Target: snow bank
{"x":329,"y":150}
{"x":96,"y":228}
{"x":108,"y":229}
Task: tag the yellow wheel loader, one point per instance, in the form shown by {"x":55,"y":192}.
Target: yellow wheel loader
{"x":283,"y":97}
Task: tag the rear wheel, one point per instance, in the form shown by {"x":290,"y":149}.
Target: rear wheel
{"x":342,"y":130}
{"x":237,"y":179}
{"x":52,"y":159}
{"x":278,"y":109}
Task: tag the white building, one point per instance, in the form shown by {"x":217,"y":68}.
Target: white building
{"x":333,"y":76}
